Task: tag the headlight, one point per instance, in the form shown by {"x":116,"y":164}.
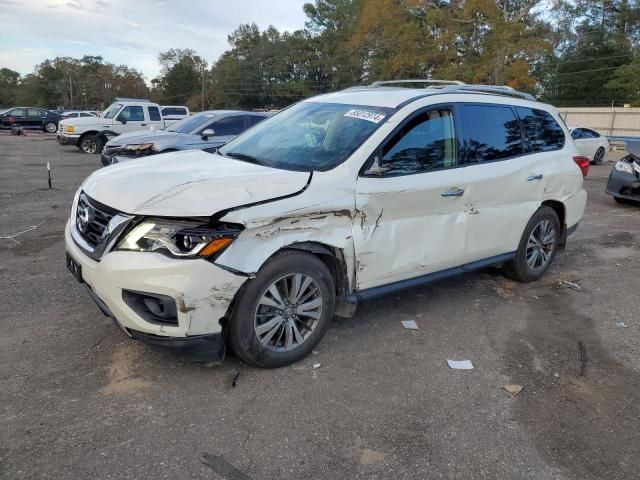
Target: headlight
{"x":69,"y":129}
{"x":179,"y":239}
{"x":138,"y":148}
{"x":623,"y":167}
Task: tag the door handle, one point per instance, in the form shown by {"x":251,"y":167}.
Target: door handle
{"x":143,"y":124}
{"x":530,"y":178}
{"x":453,"y":192}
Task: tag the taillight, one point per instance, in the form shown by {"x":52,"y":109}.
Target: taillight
{"x":583,"y":163}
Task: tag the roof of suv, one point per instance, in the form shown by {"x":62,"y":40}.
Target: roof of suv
{"x":395,"y":96}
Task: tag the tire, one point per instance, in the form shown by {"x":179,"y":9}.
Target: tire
{"x":520,"y":268}
{"x":50,"y":127}
{"x":90,"y":144}
{"x":598,"y":156}
{"x":267,"y":347}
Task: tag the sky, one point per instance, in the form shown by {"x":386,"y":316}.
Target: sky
{"x":130,"y":32}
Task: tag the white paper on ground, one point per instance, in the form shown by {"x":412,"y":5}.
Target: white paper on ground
{"x":460,"y":364}
{"x":410,"y":325}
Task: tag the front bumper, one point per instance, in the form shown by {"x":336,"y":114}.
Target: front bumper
{"x":624,"y":185}
{"x":203,"y":293}
{"x":66,"y":139}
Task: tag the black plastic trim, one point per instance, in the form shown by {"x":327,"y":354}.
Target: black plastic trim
{"x":373,"y":292}
{"x":202,"y":348}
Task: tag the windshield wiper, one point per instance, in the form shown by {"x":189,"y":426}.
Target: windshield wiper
{"x":244,"y":157}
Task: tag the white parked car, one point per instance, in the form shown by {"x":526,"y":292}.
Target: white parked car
{"x":591,"y":144}
{"x":90,"y":133}
{"x":335,"y":200}
{"x":78,"y":114}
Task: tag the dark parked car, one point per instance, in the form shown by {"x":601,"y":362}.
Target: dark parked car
{"x":201,"y":131}
{"x":30,"y":117}
{"x":624,"y":180}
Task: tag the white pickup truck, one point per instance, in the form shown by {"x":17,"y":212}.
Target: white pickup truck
{"x":89,"y":134}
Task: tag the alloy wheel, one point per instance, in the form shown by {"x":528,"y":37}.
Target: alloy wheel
{"x":50,"y":127}
{"x":288,"y":312}
{"x":541,"y":245}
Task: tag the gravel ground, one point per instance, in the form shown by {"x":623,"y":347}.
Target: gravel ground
{"x":80,"y":400}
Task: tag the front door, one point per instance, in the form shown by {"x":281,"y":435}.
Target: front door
{"x":410,"y":206}
{"x":135,"y":120}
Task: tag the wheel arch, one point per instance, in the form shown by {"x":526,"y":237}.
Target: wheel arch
{"x":561,"y":211}
{"x":335,"y":261}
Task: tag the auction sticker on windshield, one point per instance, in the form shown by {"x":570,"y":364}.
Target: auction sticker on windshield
{"x":374,"y":117}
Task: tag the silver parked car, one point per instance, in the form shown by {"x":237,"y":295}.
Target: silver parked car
{"x":202,"y":131}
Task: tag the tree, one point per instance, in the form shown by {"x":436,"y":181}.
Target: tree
{"x":181,"y":78}
{"x":8,"y":86}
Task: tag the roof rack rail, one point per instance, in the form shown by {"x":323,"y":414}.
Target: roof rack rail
{"x":383,"y":83}
{"x":503,"y":90}
{"x":451,"y":86}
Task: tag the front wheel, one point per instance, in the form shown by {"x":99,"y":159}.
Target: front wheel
{"x":50,"y":127}
{"x":284,"y":312}
{"x":90,"y":144}
{"x":538,"y":247}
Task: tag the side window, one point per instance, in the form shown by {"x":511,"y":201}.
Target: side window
{"x":591,"y":133}
{"x":255,"y":119}
{"x":425,"y":143}
{"x":85,"y":114}
{"x":154,"y":114}
{"x":542,"y":131}
{"x":490,"y":132}
{"x":576,"y":134}
{"x":168,"y":111}
{"x":229,"y":126}
{"x":33,"y":112}
{"x":133,"y":114}
{"x":18,"y":112}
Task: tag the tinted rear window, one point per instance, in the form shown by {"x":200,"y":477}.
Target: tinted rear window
{"x":490,"y":132}
{"x":543,"y":133}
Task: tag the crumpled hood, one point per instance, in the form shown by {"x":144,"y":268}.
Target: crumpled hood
{"x":142,"y":136}
{"x":191,"y":183}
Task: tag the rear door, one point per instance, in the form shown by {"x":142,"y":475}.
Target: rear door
{"x":584,"y":141}
{"x":511,"y":152}
{"x":501,"y":198}
{"x":227,"y":128}
{"x":155,"y":118}
{"x":411,"y":216}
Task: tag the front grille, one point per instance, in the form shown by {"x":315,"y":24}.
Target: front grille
{"x":92,"y":220}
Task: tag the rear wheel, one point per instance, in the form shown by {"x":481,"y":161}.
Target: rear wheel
{"x":599,"y":156}
{"x":50,"y":127}
{"x":284,"y":312}
{"x":90,"y":144}
{"x":538,"y":247}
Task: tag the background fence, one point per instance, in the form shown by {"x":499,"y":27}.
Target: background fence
{"x":613,"y":122}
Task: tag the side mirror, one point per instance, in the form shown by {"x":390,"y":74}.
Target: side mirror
{"x":207,"y":133}
{"x":122,"y":119}
{"x":376,"y":168}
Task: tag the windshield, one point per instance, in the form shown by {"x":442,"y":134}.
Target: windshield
{"x":191,"y":124}
{"x":112,"y":110}
{"x":308,"y":136}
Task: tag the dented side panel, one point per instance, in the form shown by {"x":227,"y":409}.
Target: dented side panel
{"x":322,"y":214}
{"x":404,"y":227}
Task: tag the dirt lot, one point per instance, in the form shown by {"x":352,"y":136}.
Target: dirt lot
{"x":80,"y":400}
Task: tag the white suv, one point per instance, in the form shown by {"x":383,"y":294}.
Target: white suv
{"x":336,"y":199}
